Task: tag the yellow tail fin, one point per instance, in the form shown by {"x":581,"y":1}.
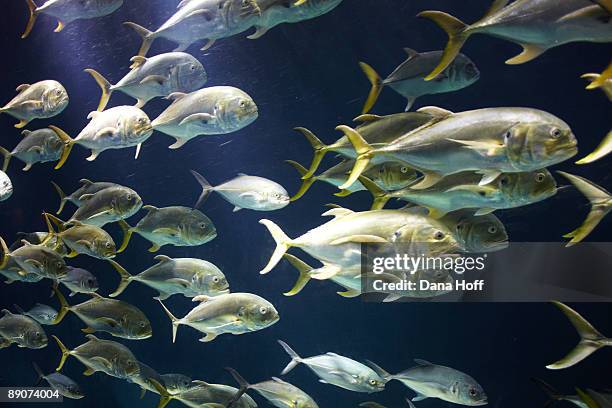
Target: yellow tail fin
{"x":5,"y":253}
{"x":305,"y":184}
{"x":283,"y":242}
{"x":33,"y":14}
{"x":65,"y":353}
{"x":146,"y":35}
{"x":304,"y":269}
{"x":381,"y":197}
{"x":68,"y":143}
{"x":64,"y":306}
{"x":127,"y":235}
{"x":319,"y":151}
{"x":364,"y":154}
{"x":104,"y":85}
{"x":125,"y":279}
{"x":377,"y":86}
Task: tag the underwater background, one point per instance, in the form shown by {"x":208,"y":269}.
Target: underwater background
{"x":303,"y":74}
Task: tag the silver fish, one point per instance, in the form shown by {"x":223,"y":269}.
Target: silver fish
{"x":205,"y":395}
{"x":109,"y":205}
{"x":41,"y":100}
{"x":43,"y":314}
{"x":476,"y":234}
{"x":35,"y":259}
{"x":14,"y":273}
{"x":39,"y":146}
{"x":177,"y":383}
{"x":87,"y":187}
{"x":6,"y":187}
{"x":210,"y":111}
{"x":143,"y":379}
{"x":21,"y":330}
{"x":555,"y":395}
{"x":65,"y":386}
{"x":79,"y":280}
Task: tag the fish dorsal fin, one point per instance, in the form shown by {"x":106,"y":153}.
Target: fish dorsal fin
{"x":200,"y":382}
{"x":137,"y":61}
{"x":163,"y":258}
{"x":496,"y":6}
{"x":150,"y":208}
{"x":337,"y":212}
{"x":411,"y":53}
{"x":243,"y":175}
{"x":332,"y":354}
{"x":176,"y":96}
{"x":22,"y":87}
{"x":436,"y":112}
{"x":182,"y":4}
{"x":26,"y":242}
{"x":92,"y":115}
{"x":95,"y":295}
{"x":26,"y":133}
{"x":91,"y":337}
{"x":85,"y":197}
{"x":86,"y":182}
{"x":605,"y":4}
{"x":367,"y":118}
{"x":202,"y":299}
{"x":278,"y":380}
{"x":7,"y":312}
{"x":422,"y":362}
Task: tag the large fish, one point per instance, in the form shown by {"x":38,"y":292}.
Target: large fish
{"x":197,"y":20}
{"x":178,"y":226}
{"x":210,"y":111}
{"x":87,"y":187}
{"x":189,"y":277}
{"x":149,"y":78}
{"x":21,"y":330}
{"x":408,"y":79}
{"x":41,"y":100}
{"x":67,"y":11}
{"x":490,"y":141}
{"x":115,"y":128}
{"x":43,"y":314}
{"x":250,"y":192}
{"x":338,"y":370}
{"x":39,"y":146}
{"x":476,"y":234}
{"x":536,"y":25}
{"x":115,"y":317}
{"x":205,"y":395}
{"x":234,"y":313}
{"x":6,"y":186}
{"x":79,"y":280}
{"x":65,"y":386}
{"x":106,"y":206}
{"x":106,"y":356}
{"x":35,"y":259}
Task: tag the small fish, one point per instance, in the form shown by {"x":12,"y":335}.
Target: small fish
{"x":476,"y":233}
{"x":235,"y":313}
{"x":41,"y":100}
{"x":204,"y":395}
{"x":43,"y":314}
{"x":338,"y":370}
{"x":67,"y":11}
{"x":177,"y":383}
{"x":178,"y":226}
{"x":535,"y":25}
{"x":604,"y":148}
{"x":217,"y":110}
{"x":555,"y":395}
{"x":603,"y":81}
{"x":109,"y":205}
{"x":35,"y":259}
{"x":21,"y":330}
{"x":279,"y":393}
{"x":435,"y":381}
{"x":115,"y":317}
{"x":594,"y":399}
{"x":371,"y":404}
{"x":115,"y":128}
{"x":59,"y":382}
{"x":39,"y":146}
{"x":591,"y":340}
{"x":408,"y":79}
{"x":14,"y":273}
{"x":601,"y":205}
{"x":79,"y":280}
{"x":160,"y":75}
{"x":109,"y":357}
{"x":6,"y":186}
{"x":87,"y":187}
{"x":189,"y":277}
{"x":250,"y":192}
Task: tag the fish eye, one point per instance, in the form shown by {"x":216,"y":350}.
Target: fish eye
{"x":192,"y":67}
{"x":90,"y":282}
{"x":404,"y":169}
{"x":507,"y":135}
{"x":540,"y":177}
{"x":473,"y":392}
{"x":439,"y":235}
{"x":58,"y":92}
{"x":492,"y":229}
{"x":202,"y":225}
{"x":37,"y":334}
{"x":503,"y":181}
{"x":108,"y":245}
{"x":243,"y":102}
{"x":59,"y":264}
{"x":216,"y":279}
{"x":373,"y":382}
{"x":482,"y":193}
{"x":142,"y":324}
{"x":129,"y":197}
{"x":263,"y":310}
{"x":555,"y":133}
{"x":142,"y":120}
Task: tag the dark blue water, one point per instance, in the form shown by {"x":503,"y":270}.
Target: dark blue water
{"x":300,"y":75}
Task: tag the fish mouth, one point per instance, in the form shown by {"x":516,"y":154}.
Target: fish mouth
{"x":480,"y":402}
{"x":499,"y":245}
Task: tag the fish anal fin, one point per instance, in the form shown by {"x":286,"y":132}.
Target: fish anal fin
{"x":530,"y":52}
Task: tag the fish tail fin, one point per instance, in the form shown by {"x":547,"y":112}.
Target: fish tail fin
{"x":39,"y":373}
{"x":552,"y":393}
{"x":591,"y":339}
{"x":58,"y":223}
{"x":62,"y":196}
{"x":68,"y":143}
{"x":207,"y":188}
{"x":364,"y":154}
{"x":104,"y":85}
{"x":64,"y":306}
{"x":164,"y":396}
{"x":603,"y":149}
{"x":127,"y":235}
{"x":5,"y":253}
{"x":51,"y":232}
{"x":283,"y":242}
{"x":7,"y":158}
{"x":596,"y":195}
{"x":295,"y":358}
{"x":244,"y":386}
{"x":33,"y":9}
{"x":175,"y":322}
{"x":304,"y":269}
{"x":376,"y":83}
{"x":306,"y":184}
{"x":146,"y":35}
{"x":457,"y":36}
{"x":126,"y":279}
{"x":318,"y":147}
{"x":65,"y":353}
{"x":381,"y":197}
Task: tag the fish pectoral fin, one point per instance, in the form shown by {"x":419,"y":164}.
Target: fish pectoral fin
{"x":89,"y":371}
{"x":94,"y":155}
{"x":206,"y":118}
{"x":88,"y":330}
{"x":419,"y":397}
{"x":157,"y":79}
{"x":358,"y":239}
{"x":101,"y":213}
{"x":207,"y":14}
{"x":429,"y":179}
{"x":181,"y":282}
{"x":36,"y":150}
{"x":351,"y":293}
{"x":485,"y":148}
{"x":236,"y":209}
{"x":105,"y":132}
{"x":30,"y":104}
{"x":108,"y":322}
{"x":484,"y":211}
{"x":166,"y":231}
{"x":530,"y":52}
{"x":345,"y":376}
{"x":436,"y":213}
{"x":85,"y":243}
{"x":488,"y":176}
{"x":103,"y":361}
{"x":337,"y":212}
{"x":392,"y":298}
{"x":33,"y":263}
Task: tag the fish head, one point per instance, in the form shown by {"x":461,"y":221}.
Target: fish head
{"x":189,"y":75}
{"x":237,"y":112}
{"x":127,"y":367}
{"x":484,"y":233}
{"x":53,"y":144}
{"x":126,"y":202}
{"x":372,"y":382}
{"x":259,"y":314}
{"x":35,"y":337}
{"x":465,"y":71}
{"x":53,"y":264}
{"x":54,"y":98}
{"x":214,"y":283}
{"x":528,"y":187}
{"x":198,"y":228}
{"x":177,"y":383}
{"x":393,"y":175}
{"x":6,"y":187}
{"x":277,"y":198}
{"x":139,"y":327}
{"x":468,"y":392}
{"x":137,"y":126}
{"x":105,"y":247}
{"x":431,"y":239}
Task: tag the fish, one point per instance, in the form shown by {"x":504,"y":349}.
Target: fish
{"x":435,"y":381}
{"x":43,"y":314}
{"x":176,"y":383}
{"x":376,"y":130}
{"x":244,"y":191}
{"x":153,"y":77}
{"x":490,"y":141}
{"x":197,"y":20}
{"x":87,"y":187}
{"x":476,"y":234}
{"x":143,"y":379}
{"x":13,"y":273}
{"x":107,"y":356}
{"x":537,"y":26}
{"x":234,"y":313}
{"x":35,"y":259}
{"x":65,"y":386}
{"x":604,"y":148}
{"x":594,"y":399}
{"x":338,"y":242}
{"x":601,"y":204}
{"x":115,"y":128}
{"x":372,"y":404}
{"x":41,"y":100}
{"x":79,"y":280}
{"x":388,"y":176}
{"x":204,"y":395}
{"x":6,"y":186}
{"x":603,"y":81}
{"x":118,"y":318}
{"x":555,"y":395}
{"x":67,"y":11}
{"x":21,"y":330}
{"x":189,"y":277}
{"x":279,"y":393}
{"x":39,"y":146}
{"x":217,"y":110}
{"x":408,"y":78}
{"x":38,"y":238}
{"x":591,"y":339}
{"x":462,"y":190}
{"x":337,"y":370}
{"x":106,"y":206}
{"x":178,"y":226}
